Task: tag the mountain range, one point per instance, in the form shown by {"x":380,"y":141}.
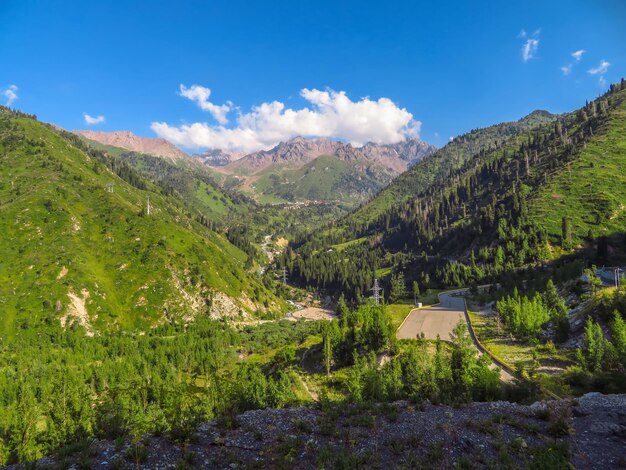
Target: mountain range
{"x":287,"y":173}
{"x":317,"y":169}
{"x":299,"y":151}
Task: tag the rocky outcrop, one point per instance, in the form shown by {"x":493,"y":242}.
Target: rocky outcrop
{"x":217,"y":157}
{"x":399,"y":155}
{"x":586,"y":433}
{"x":77,"y":312}
{"x":129,"y":141}
{"x":224,"y":307}
{"x":295,"y":153}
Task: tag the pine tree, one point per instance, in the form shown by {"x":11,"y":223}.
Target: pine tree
{"x":558,"y":311}
{"x":566,"y":233}
{"x":618,"y":331}
{"x":327,"y":347}
{"x":461,"y":359}
{"x":398,"y":287}
{"x":595,"y":345}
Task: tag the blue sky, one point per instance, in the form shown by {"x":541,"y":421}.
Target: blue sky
{"x":453,"y":66}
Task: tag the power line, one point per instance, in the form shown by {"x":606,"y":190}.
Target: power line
{"x":376,"y":290}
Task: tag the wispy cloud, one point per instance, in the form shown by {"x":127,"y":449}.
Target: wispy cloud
{"x":531,"y":44}
{"x":566,"y":69}
{"x":529,"y":49}
{"x":328,"y":113}
{"x":201,"y":95}
{"x":92,"y":121}
{"x":600,"y":69}
{"x":10,"y":94}
{"x":577,"y":55}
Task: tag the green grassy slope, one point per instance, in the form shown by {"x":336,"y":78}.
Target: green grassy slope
{"x":591,"y":191}
{"x":191,"y":180}
{"x":110,"y":149}
{"x":327,"y":178}
{"x":65,"y":236}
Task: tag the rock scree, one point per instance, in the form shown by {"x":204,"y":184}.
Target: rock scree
{"x":588,"y":432}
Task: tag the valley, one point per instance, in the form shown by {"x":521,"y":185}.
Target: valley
{"x":315,"y":285}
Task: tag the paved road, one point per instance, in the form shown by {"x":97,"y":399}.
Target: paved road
{"x":441,"y":320}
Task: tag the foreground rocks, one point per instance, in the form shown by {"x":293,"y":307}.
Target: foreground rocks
{"x":589,"y":432}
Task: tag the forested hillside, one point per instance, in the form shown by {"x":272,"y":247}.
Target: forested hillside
{"x":546,"y":191}
{"x":81,"y":248}
{"x":438,"y":168}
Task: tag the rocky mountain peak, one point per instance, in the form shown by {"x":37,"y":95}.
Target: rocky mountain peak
{"x":299,"y":151}
{"x":129,"y":141}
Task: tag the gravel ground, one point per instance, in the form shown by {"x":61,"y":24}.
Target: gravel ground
{"x":586,"y":433}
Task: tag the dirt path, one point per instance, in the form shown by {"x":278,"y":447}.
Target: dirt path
{"x":312,"y":393}
{"x":383,"y":358}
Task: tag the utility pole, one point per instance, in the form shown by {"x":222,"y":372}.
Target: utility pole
{"x":284,"y":275}
{"x":376,"y":290}
{"x":148,"y":206}
{"x":618,"y":280}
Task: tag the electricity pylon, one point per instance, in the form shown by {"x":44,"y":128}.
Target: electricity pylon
{"x":376,"y":290}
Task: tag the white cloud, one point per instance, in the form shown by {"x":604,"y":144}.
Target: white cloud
{"x":10,"y":94}
{"x":201,"y":95}
{"x":577,"y":55}
{"x":531,"y":45}
{"x":600,"y":69}
{"x":328,"y":114}
{"x":92,"y":121}
{"x":529,"y":49}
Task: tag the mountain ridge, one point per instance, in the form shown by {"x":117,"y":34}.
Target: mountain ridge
{"x":352,"y":174}
{"x":86,"y":251}
{"x":299,"y":151}
{"x":129,"y":141}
